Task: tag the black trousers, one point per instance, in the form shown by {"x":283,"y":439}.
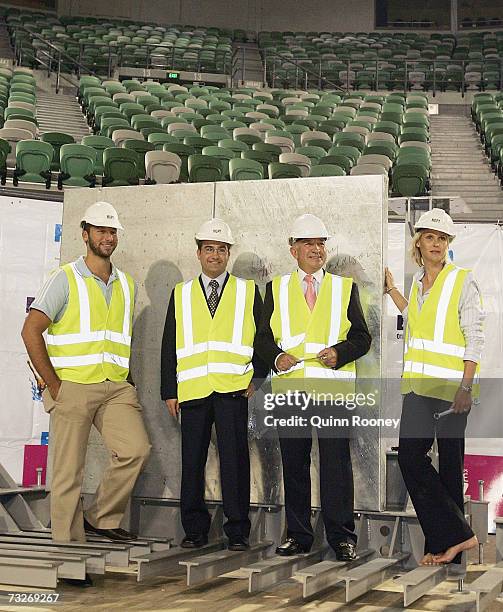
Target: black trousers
{"x":437,"y":496}
{"x":336,"y":484}
{"x":229,"y":412}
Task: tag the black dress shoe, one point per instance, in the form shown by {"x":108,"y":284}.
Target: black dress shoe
{"x":83,"y":584}
{"x":194,"y":541}
{"x":238,"y":543}
{"x":118,"y":534}
{"x":345,"y":551}
{"x":291,"y":547}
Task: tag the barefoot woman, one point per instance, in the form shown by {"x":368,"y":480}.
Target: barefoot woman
{"x":443,"y":343}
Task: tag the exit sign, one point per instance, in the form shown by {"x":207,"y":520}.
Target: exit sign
{"x":173,"y":75}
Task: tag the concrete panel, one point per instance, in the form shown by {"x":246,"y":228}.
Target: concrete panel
{"x":355,"y":212}
{"x":157,"y":248}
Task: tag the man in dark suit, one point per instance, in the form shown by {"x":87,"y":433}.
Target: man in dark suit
{"x":207,"y":366}
{"x":311,"y":333}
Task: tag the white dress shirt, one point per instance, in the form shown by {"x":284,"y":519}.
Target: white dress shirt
{"x":317,"y":279}
{"x":206,"y":283}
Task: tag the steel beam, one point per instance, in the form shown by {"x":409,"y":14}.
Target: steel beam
{"x":215,"y":564}
{"x":95,"y":561}
{"x":72,"y":566}
{"x":116,"y":554}
{"x":487,"y":587}
{"x":167,"y":562}
{"x":30,"y":573}
{"x":268,"y":572}
{"x":364,"y":578}
{"x":419,"y":581}
{"x":325,"y":574}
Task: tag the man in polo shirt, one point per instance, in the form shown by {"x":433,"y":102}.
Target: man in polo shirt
{"x":87,"y":307}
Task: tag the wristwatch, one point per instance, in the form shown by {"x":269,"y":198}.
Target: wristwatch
{"x":467,"y":388}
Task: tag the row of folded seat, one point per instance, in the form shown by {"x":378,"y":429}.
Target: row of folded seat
{"x":262,"y":125}
{"x":487,"y":114}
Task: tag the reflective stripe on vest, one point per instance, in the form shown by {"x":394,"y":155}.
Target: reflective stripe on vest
{"x":214,"y":354}
{"x":434,"y":342}
{"x":77,"y":355}
{"x":334,"y":306}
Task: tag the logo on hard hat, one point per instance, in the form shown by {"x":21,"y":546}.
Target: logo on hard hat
{"x":110,"y":216}
{"x":436,"y":220}
{"x":217,"y":231}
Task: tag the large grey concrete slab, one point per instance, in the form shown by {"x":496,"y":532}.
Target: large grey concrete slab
{"x":157,"y":248}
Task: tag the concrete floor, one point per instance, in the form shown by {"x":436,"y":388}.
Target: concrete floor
{"x":118,"y":590}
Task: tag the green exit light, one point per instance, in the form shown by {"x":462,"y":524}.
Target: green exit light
{"x":173,"y":75}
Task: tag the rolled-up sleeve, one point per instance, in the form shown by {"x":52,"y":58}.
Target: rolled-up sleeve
{"x":471,"y":319}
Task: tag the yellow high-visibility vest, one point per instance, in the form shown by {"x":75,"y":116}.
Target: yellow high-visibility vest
{"x":303,"y":333}
{"x":214,"y":354}
{"x":434,"y":342}
{"x":92,"y":341}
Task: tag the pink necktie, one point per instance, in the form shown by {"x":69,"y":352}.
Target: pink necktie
{"x":310,"y":292}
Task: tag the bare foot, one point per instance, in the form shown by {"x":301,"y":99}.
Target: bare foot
{"x":451,"y":552}
{"x":428,"y":560}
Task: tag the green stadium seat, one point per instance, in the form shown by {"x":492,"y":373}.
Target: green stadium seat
{"x":77,"y":162}
{"x":236,"y":146}
{"x":224,"y":155}
{"x":183,"y":151}
{"x":57,"y":140}
{"x":326,"y":170}
{"x":120,"y":167}
{"x":204,"y":169}
{"x":245,"y":170}
{"x":278,"y":170}
{"x":33,"y":162}
{"x":410,"y":179}
{"x":140,"y":147}
{"x":99,"y":144}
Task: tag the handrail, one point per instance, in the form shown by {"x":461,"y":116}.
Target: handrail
{"x":119,"y":49}
{"x":58,"y":74}
{"x":58,"y":50}
{"x":306,"y":70}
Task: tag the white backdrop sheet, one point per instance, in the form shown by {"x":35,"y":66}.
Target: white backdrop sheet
{"x":29,"y":250}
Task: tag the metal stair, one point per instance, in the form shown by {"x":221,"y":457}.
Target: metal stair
{"x":60,"y":113}
{"x":250,"y":67}
{"x":461,"y":168}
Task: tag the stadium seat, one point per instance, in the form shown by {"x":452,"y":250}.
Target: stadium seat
{"x":99,"y":144}
{"x":224,"y":155}
{"x":183,"y":151}
{"x":56,"y":140}
{"x":162,"y":167}
{"x":120,"y":135}
{"x":278,"y":170}
{"x":120,"y":167}
{"x":303,"y":162}
{"x":326,"y":170}
{"x":245,"y":170}
{"x":204,"y":169}
{"x":410,"y":180}
{"x":21,"y":124}
{"x":140,"y":147}
{"x":368,"y":169}
{"x":236,"y":146}
{"x":13,"y":136}
{"x":77,"y":162}
{"x":158,"y":139}
{"x":33,"y":162}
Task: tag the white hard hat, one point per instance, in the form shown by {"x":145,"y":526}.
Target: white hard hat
{"x":308,"y":226}
{"x":102,"y":214}
{"x":215,"y":229}
{"x":436,"y":219}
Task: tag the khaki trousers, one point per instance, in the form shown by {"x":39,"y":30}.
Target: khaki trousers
{"x":114,"y":410}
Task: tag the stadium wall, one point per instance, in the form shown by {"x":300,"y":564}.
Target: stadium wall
{"x":256,"y":15}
